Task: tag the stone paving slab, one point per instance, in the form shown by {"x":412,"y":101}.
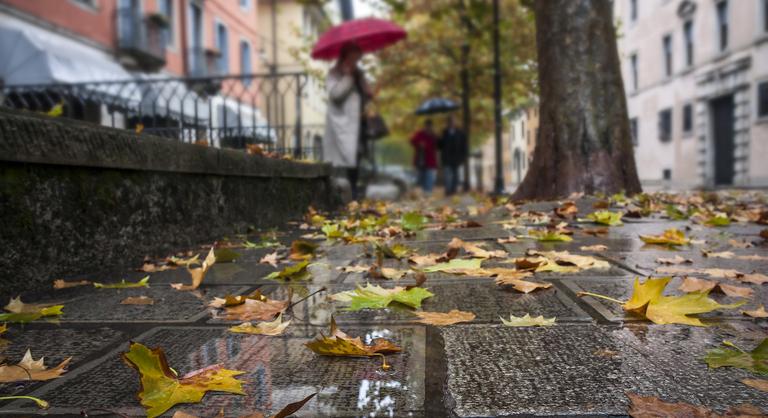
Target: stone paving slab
{"x":646,"y":260}
{"x":575,"y":369}
{"x":622,"y":289}
{"x":55,"y":344}
{"x":279,"y":370}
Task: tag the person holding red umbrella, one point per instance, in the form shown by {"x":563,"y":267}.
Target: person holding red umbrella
{"x":347,"y":89}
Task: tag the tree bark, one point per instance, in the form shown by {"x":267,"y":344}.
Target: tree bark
{"x":584,"y":142}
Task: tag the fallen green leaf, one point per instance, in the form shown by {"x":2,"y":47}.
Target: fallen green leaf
{"x":606,"y":217}
{"x":413,"y":221}
{"x":376,"y":297}
{"x":755,"y":361}
{"x":123,"y":284}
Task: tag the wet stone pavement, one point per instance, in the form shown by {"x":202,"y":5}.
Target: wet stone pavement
{"x":584,"y":365}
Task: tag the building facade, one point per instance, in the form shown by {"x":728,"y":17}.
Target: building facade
{"x":696,"y":77}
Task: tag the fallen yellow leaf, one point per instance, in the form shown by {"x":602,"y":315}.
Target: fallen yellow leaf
{"x":528,"y":321}
{"x":198,"y":273}
{"x":271,"y":328}
{"x":341,"y":344}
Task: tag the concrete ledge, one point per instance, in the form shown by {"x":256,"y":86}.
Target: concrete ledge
{"x":77,"y":198}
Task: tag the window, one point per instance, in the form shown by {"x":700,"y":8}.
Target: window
{"x":245,"y":4}
{"x":222,"y":45}
{"x":632,"y":10}
{"x":245,"y":61}
{"x":762,"y":99}
{"x":722,"y":24}
{"x":688,"y":39}
{"x":665,"y":125}
{"x":765,"y":15}
{"x":688,"y":118}
{"x":633,"y":69}
{"x":166,"y":9}
{"x":522,"y":129}
{"x":666,"y":174}
{"x":633,"y":130}
{"x":87,"y":3}
{"x":667,"y":42}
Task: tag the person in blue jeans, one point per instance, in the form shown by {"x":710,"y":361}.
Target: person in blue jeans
{"x":452,"y":145}
{"x":424,"y":144}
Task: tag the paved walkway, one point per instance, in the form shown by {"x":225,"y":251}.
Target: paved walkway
{"x":585,"y":364}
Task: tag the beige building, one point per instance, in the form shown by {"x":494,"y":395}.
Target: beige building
{"x":286,"y":27}
{"x":696,"y":77}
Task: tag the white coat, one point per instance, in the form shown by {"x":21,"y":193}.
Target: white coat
{"x":342,"y":120}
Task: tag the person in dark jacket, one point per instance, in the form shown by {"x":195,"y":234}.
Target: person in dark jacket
{"x":452,"y":144}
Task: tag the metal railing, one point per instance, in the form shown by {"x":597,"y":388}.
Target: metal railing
{"x":230,"y":111}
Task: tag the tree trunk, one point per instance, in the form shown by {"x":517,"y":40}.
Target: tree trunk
{"x":584,"y":142}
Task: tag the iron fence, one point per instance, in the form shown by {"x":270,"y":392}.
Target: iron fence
{"x":230,"y":111}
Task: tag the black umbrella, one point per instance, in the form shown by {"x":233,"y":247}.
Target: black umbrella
{"x":437,"y":105}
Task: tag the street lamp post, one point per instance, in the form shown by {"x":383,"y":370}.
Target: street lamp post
{"x":499,"y":182}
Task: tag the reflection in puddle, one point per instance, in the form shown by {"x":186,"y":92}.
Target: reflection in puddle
{"x":370,"y":397}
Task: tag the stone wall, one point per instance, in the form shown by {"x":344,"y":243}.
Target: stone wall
{"x":77,"y":198}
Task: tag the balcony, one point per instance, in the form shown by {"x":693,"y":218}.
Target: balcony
{"x":141,"y":40}
{"x":203,"y":68}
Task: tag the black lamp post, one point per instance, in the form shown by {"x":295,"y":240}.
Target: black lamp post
{"x":499,"y":182}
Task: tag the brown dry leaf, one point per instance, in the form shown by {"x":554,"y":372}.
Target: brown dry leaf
{"x":63,"y":284}
{"x":270,"y":259}
{"x":735,"y":291}
{"x":474,"y":250}
{"x":507,"y":240}
{"x":740,"y":244}
{"x":388,"y":273}
{"x":606,"y":353}
{"x":154,"y":268}
{"x":272,"y":328}
{"x":759,"y":384}
{"x":567,"y":210}
{"x":425,"y":260}
{"x":502,"y":272}
{"x":722,"y":254}
{"x":29,"y":369}
{"x":256,"y":310}
{"x":755,"y":278}
{"x":138,"y":300}
{"x":757,"y":313}
{"x":198,"y":273}
{"x":443,"y":318}
{"x":341,"y":344}
{"x":595,"y":231}
{"x":596,"y":248}
{"x":651,"y":406}
{"x":692,"y":284}
{"x":674,"y":260}
{"x":520,"y":285}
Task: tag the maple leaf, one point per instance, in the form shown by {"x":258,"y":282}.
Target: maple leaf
{"x":755,"y":361}
{"x":270,"y":259}
{"x":161,"y":389}
{"x":341,"y":344}
{"x":757,"y":313}
{"x":123,"y":284}
{"x":548,"y":236}
{"x":558,"y":262}
{"x":63,"y":284}
{"x":376,"y":297}
{"x":455,"y":266}
{"x":255,"y":309}
{"x":30,"y":369}
{"x":198,"y":273}
{"x":272,"y":328}
{"x":520,"y":285}
{"x":647,"y":300}
{"x":296,"y":272}
{"x":413,"y":221}
{"x":606,"y":217}
{"x":671,"y":237}
{"x":22,"y":313}
{"x":332,"y":230}
{"x":528,"y":321}
{"x":302,"y":249}
{"x":444,"y":318}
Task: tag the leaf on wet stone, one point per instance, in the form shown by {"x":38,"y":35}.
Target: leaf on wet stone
{"x":341,"y":344}
{"x":424,"y":260}
{"x":507,"y":240}
{"x":755,"y":361}
{"x":195,"y":259}
{"x":30,"y":369}
{"x":475,"y":250}
{"x":444,"y":318}
{"x":359,"y":268}
{"x":606,"y":217}
{"x":271,"y":328}
{"x":63,"y":284}
{"x":302,"y":250}
{"x":232,"y":300}
{"x":735,"y":291}
{"x":520,"y":285}
{"x":757,"y":313}
{"x":595,"y":248}
{"x":396,"y":251}
{"x":256,"y":309}
{"x":548,"y":235}
{"x":19,"y":312}
{"x":567,"y":210}
{"x":558,"y":262}
{"x":759,"y":384}
{"x":387,"y":273}
{"x":595,"y":231}
{"x":295,"y":272}
{"x":651,"y":406}
{"x":528,"y":321}
{"x":155,"y":268}
{"x":138,"y":300}
{"x":413,"y":221}
{"x":376,"y":297}
{"x":332,"y":230}
{"x":123,"y":284}
{"x":670,"y":237}
{"x":692,"y":284}
{"x":271,"y":259}
{"x":225,"y":255}
{"x":198,"y":273}
{"x":161,"y":389}
{"x":719,"y":219}
{"x":455,"y":266}
{"x":674,"y":260}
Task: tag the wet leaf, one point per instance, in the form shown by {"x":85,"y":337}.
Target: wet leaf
{"x":548,"y":236}
{"x":154,"y":268}
{"x":757,"y":313}
{"x":272,"y":328}
{"x":123,"y":284}
{"x":595,"y":231}
{"x":528,"y":321}
{"x":63,"y":284}
{"x":520,"y":285}
{"x":161,"y":389}
{"x":198,"y":274}
{"x":674,"y":260}
{"x":341,"y":344}
{"x":376,"y":297}
{"x":255,"y":309}
{"x":302,"y":249}
{"x":297,"y":271}
{"x":195,"y":259}
{"x":26,"y":313}
{"x":425,"y":260}
{"x":508,"y":240}
{"x":475,"y":250}
{"x":596,"y":248}
{"x":692,"y":284}
{"x":225,"y":255}
{"x":413,"y":221}
{"x":558,"y":262}
{"x":271,"y":259}
{"x":606,"y":217}
{"x":755,"y":361}
{"x":759,"y":384}
{"x":359,"y":268}
{"x":138,"y":300}
{"x":30,"y":369}
{"x":444,"y":318}
{"x":735,"y":291}
{"x":567,"y":210}
{"x":387,"y":273}
{"x":455,"y":266}
{"x":230,"y":300}
{"x":719,"y":219}
{"x":670,"y":237}
{"x":396,"y":251}
{"x":650,"y":406}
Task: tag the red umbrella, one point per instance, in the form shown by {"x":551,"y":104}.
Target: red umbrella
{"x":369,"y":34}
